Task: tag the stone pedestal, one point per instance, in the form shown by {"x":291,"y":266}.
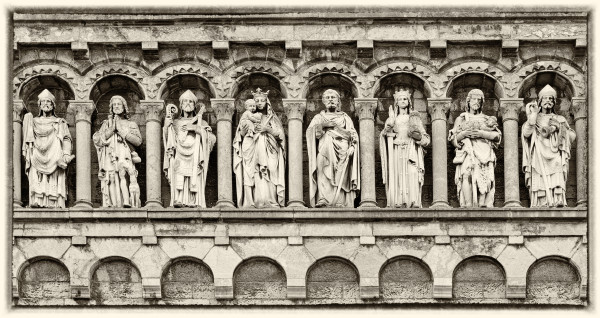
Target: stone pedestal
{"x":224,"y":109}
{"x":295,"y":109}
{"x":83,"y":110}
{"x":579,"y":111}
{"x":365,"y":110}
{"x":18,"y":109}
{"x":152,"y":112}
{"x":438,"y":109}
{"x":509,"y":109}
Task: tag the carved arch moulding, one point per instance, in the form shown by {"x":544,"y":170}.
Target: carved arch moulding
{"x":237,"y":72}
{"x":141,"y":76}
{"x":298,"y":86}
{"x":575,"y":76}
{"x":501,"y":77}
{"x":156,"y":83}
{"x":67,"y":74}
{"x":432,"y":83}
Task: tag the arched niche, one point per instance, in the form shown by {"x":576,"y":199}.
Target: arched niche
{"x":44,"y":278}
{"x":332,"y":278}
{"x":405,"y":277}
{"x":479,"y":277}
{"x":63,"y":94}
{"x":492,"y":92}
{"x":246,"y":84}
{"x":553,"y":278}
{"x":324,"y":81}
{"x":387,"y":86}
{"x":116,"y":281}
{"x":101,"y":93}
{"x":187,"y":278}
{"x":259,"y":278}
{"x":177,"y":85}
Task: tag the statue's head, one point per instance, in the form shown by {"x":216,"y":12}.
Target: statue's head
{"x":250,"y":105}
{"x":547,"y":97}
{"x":475,"y":100}
{"x":402,"y":99}
{"x":187,"y":102}
{"x":118,"y":106}
{"x":331,"y":100}
{"x":261,"y":98}
{"x":46,"y":102}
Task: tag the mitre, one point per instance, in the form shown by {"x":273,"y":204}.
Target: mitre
{"x":189,"y":96}
{"x":547,"y":91}
{"x":402,"y":92}
{"x":45,"y":94}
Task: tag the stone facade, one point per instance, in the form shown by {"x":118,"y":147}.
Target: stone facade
{"x":85,"y":255}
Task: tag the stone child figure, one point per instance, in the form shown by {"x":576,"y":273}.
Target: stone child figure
{"x":402,"y":155}
{"x":117,"y":158}
{"x":259,"y":156}
{"x":188,"y":142}
{"x":475,"y":136}
{"x":250,"y":118}
{"x":333,"y":156}
{"x":546,"y":139}
{"x":47,"y":149}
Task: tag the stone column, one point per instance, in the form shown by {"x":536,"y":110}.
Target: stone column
{"x":18,"y":108}
{"x":509,"y":109}
{"x":579,"y":111}
{"x":152,"y":112}
{"x":83,"y":110}
{"x":294,"y":109}
{"x":438,"y":109}
{"x":224,"y":108}
{"x":365,"y":110}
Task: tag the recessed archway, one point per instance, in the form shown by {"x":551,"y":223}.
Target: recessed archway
{"x":479,"y":277}
{"x":332,"y":278}
{"x":553,"y":278}
{"x":259,"y":278}
{"x":405,"y":277}
{"x":45,"y":278}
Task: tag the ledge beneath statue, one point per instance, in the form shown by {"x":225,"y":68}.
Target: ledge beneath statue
{"x":298,"y":214}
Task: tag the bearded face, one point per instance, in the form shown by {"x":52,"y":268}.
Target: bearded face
{"x":117,"y":106}
{"x":187,"y":105}
{"x":46,"y":105}
{"x":331,"y":101}
{"x":475,"y":103}
{"x":547,"y":102}
{"x":260,"y":102}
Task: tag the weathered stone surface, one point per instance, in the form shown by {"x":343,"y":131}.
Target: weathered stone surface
{"x":178,"y":247}
{"x":368,"y":259}
{"x":123,"y":247}
{"x":516,"y":261}
{"x":553,"y":279}
{"x":267,"y":247}
{"x":398,"y":246}
{"x":116,"y":282}
{"x":472,"y":246}
{"x":332,"y":278}
{"x":222,"y":260}
{"x":322,"y":247}
{"x":45,"y":279}
{"x":51,"y":246}
{"x":405,"y":278}
{"x":259,"y":279}
{"x":187,"y":279}
{"x":478,"y":278}
{"x":150,"y":260}
{"x":79,"y":260}
{"x":442,"y":259}
{"x":295,"y":261}
{"x":547,"y":246}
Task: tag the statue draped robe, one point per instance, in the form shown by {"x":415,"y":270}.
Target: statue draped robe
{"x":44,"y":141}
{"x":114,"y":156}
{"x":186,"y":161}
{"x":259,"y":164}
{"x":327,"y":151}
{"x":402,"y":161}
{"x":546,"y":160}
{"x":475,"y":158}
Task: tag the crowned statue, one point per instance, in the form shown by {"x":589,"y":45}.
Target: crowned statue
{"x":188,"y":141}
{"x":47,"y":149}
{"x":333,"y":156}
{"x":547,"y":139}
{"x":259,"y":155}
{"x":401,"y":145}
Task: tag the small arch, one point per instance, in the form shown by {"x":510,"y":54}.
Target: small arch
{"x":553,"y":277}
{"x":187,"y":278}
{"x":479,"y":277}
{"x":44,"y":278}
{"x":245,"y":84}
{"x":405,"y":277}
{"x":460,"y":86}
{"x":532,"y":84}
{"x":173,"y":86}
{"x":332,"y":278}
{"x":115,"y":280}
{"x":259,"y":278}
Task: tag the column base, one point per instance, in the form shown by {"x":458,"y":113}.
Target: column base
{"x":296,"y":204}
{"x":225,"y":204}
{"x":153,"y":204}
{"x":582,"y":204}
{"x":367,"y":204}
{"x":440,"y":205}
{"x":17,"y":204}
{"x":512,"y":204}
{"x":83,"y":204}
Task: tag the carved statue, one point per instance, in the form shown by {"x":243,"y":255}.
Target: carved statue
{"x":47,"y":149}
{"x":546,"y":139}
{"x":475,"y":136}
{"x":401,"y":144}
{"x":116,"y":158}
{"x":188,"y":142}
{"x":333,"y":156}
{"x":259,"y":156}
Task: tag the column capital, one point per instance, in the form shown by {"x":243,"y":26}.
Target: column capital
{"x":18,"y":109}
{"x":294,"y":108}
{"x":365,"y":108}
{"x":510,"y":108}
{"x":438,"y":108}
{"x":579,"y":108}
{"x":223,"y":107}
{"x":152,"y":109}
{"x":83,"y":110}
